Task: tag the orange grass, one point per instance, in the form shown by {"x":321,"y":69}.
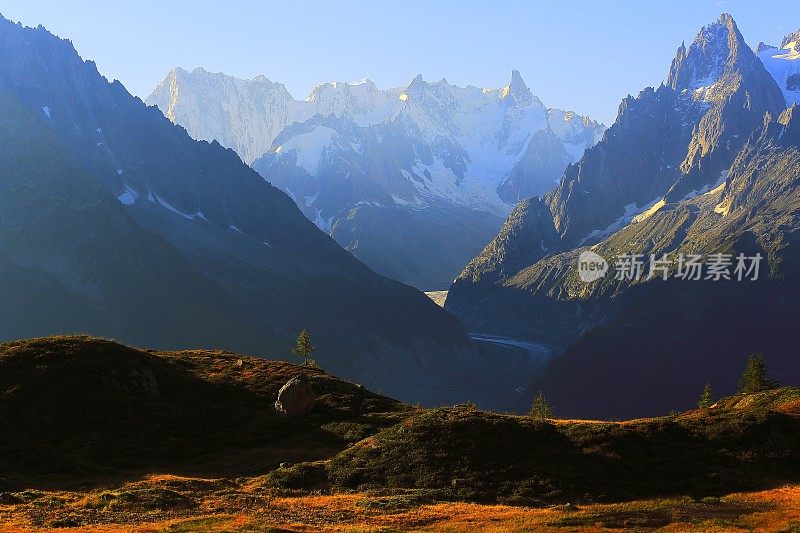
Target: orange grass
{"x":772,"y":510}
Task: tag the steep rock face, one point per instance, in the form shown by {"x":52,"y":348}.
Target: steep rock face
{"x":670,"y":337}
{"x":527,"y":236}
{"x":233,"y":262}
{"x":667,"y":145}
{"x":686,"y":168}
{"x":647,"y":346}
{"x":722,"y":71}
{"x":248,"y":113}
{"x":360,"y":102}
{"x":430,"y":154}
{"x":548,"y":152}
{"x":671,"y":141}
{"x":355,"y":195}
{"x":636,"y":162}
{"x":66,"y":260}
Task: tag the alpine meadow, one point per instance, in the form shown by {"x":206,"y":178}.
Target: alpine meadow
{"x":399,"y":304}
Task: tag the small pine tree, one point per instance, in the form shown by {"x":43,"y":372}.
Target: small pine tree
{"x":303,"y":347}
{"x":706,"y":397}
{"x":754,"y":378}
{"x":540,"y":409}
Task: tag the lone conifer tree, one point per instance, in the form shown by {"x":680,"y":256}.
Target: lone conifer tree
{"x":540,"y":409}
{"x":706,"y":397}
{"x":754,"y":378}
{"x":303,"y":347}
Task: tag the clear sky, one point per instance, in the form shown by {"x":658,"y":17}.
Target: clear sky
{"x":581,"y":55}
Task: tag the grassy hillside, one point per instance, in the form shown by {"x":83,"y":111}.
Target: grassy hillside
{"x":171,"y":504}
{"x":80,"y":408}
{"x":465,"y":454}
{"x":100,"y":433}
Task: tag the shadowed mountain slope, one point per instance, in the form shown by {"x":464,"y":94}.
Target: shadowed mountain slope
{"x":706,"y":164}
{"x":148,"y":236}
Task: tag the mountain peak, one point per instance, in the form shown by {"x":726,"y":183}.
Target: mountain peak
{"x":416,"y":88}
{"x":516,"y":90}
{"x":725,"y":19}
{"x":344,"y":98}
{"x":716,"y":48}
{"x":791,"y":38}
{"x":418,"y":81}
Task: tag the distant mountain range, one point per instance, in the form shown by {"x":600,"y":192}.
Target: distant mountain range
{"x":116,"y":222}
{"x":709,"y":162}
{"x":782,"y":62}
{"x":414,"y":181}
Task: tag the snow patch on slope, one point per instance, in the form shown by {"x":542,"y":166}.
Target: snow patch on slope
{"x":709,"y":189}
{"x":784,"y":66}
{"x":128,"y":196}
{"x":632,"y":211}
{"x":308,"y":147}
{"x":189,"y":216}
{"x":466,"y":139}
{"x":322,"y":223}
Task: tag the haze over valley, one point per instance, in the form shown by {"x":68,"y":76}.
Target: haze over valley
{"x":433,"y":306}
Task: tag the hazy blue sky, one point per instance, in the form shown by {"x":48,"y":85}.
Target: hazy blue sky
{"x":582,"y":55}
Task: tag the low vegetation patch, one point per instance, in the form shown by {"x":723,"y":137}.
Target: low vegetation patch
{"x":77,"y":409}
{"x":87,"y":422}
{"x":745,"y":442}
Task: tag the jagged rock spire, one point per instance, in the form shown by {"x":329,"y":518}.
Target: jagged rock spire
{"x":716,"y":48}
{"x":516,"y":90}
{"x":791,"y":38}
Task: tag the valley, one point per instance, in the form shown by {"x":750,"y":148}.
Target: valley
{"x":717,"y":134}
{"x":419,"y":178}
{"x":400,"y":305}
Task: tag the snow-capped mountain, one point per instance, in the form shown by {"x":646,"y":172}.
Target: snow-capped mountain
{"x":117,"y":223}
{"x":388,"y":171}
{"x":784,"y":64}
{"x":706,"y":163}
{"x":247,"y":115}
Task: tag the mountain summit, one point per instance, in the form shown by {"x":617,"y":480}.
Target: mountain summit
{"x":715,"y":50}
{"x":516,"y":90}
{"x":411,"y":180}
{"x":116,"y":222}
{"x":698,"y":165}
{"x":720,"y":70}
